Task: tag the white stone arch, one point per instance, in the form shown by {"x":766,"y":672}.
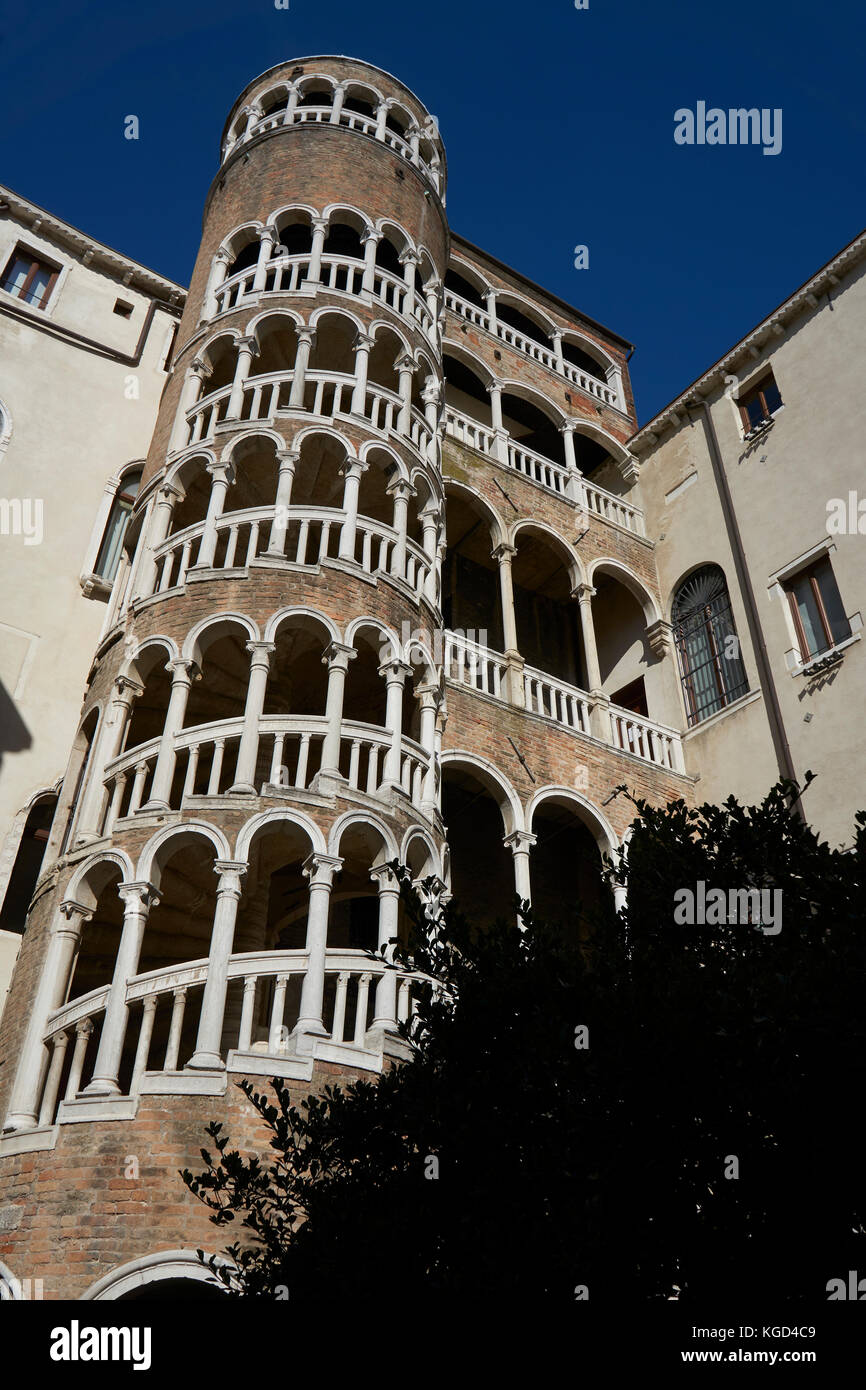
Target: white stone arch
{"x":276,"y":620}
{"x":252,"y":328}
{"x":205,"y":351}
{"x":558,"y":542}
{"x":493,"y":780}
{"x":428,"y":485}
{"x":592,"y":349}
{"x":234,"y":241}
{"x":151,"y":1269}
{"x":130,"y":663}
{"x":416,"y":645}
{"x":381,"y":325}
{"x":636,"y":587}
{"x":255,"y":433}
{"x":591,"y":816}
{"x":192,"y":454}
{"x":474,"y":499}
{"x":331,"y":431}
{"x":370,"y":820}
{"x":511,"y":386}
{"x":334,"y":209}
{"x":386,"y":225}
{"x":470,"y":272}
{"x":376,"y":624}
{"x":291,"y":816}
{"x":434,"y":865}
{"x":381,"y":447}
{"x":476,"y":364}
{"x":527,"y":307}
{"x":337,"y":311}
{"x":158,"y":848}
{"x":591,"y":430}
{"x":272,"y":222}
{"x":12,"y":840}
{"x":364,"y":89}
{"x":191,"y":647}
{"x":81,"y":891}
{"x":314,"y":79}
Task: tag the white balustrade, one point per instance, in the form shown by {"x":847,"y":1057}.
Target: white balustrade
{"x":471,"y":664}
{"x":474,"y":314}
{"x":543,"y":471}
{"x":655,"y":743}
{"x":555,"y":699}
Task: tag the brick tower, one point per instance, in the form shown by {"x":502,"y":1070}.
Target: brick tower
{"x":264,"y":727}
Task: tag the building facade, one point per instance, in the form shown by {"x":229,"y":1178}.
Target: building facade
{"x":391,"y":586}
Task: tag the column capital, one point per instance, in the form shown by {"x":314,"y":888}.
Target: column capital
{"x":306,"y":334}
{"x":387,"y":880}
{"x":260,"y":652}
{"x":224,"y":256}
{"x":199,"y":368}
{"x":141,"y":896}
{"x":269,"y":234}
{"x":71,"y":908}
{"x":221,"y":472}
{"x":353,"y":467}
{"x":287,"y":459}
{"x":363,"y":342}
{"x":401,"y":487}
{"x":321,"y":868}
{"x":183,"y":670}
{"x":584,"y":593}
{"x":338,"y":654}
{"x":504,"y":552}
{"x":519,"y":841}
{"x":568,"y":427}
{"x":247,"y":345}
{"x":168,"y":495}
{"x":409,"y":257}
{"x":126,"y":688}
{"x":406,"y":363}
{"x":230,"y":874}
{"x":319,"y":224}
{"x":371,"y":234}
{"x":495,"y":385}
{"x":395,"y":671}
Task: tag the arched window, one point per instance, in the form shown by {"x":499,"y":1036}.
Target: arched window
{"x":112,"y":541}
{"x":709,"y":650}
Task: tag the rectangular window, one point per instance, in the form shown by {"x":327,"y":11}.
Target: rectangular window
{"x":816,"y":607}
{"x":760,"y":403}
{"x":29,"y":278}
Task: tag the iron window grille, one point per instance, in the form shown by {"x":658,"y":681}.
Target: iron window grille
{"x":711,"y":667}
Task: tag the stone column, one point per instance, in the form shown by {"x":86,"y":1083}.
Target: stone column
{"x":218,"y":275}
{"x":362,"y":345}
{"x":410,"y":261}
{"x":158,"y":529}
{"x":406,"y":368}
{"x":574,"y":486}
{"x":222,"y":477}
{"x":337,"y":658}
{"x":500,"y":442}
{"x":394,"y":674}
{"x":245,"y":771}
{"x":306,"y":339}
{"x":138,"y":898}
{"x":504,"y":554}
{"x":381,"y":119}
{"x":400,"y":490}
{"x":320,"y":231}
{"x":266,"y":246}
{"x":183,"y":672}
{"x":288,"y":460}
{"x":490,"y":299}
{"x":336,"y":109}
{"x":190,"y":395}
{"x":430,"y":697}
{"x":247,"y":349}
{"x":520,"y":842}
{"x":385,"y":1012}
{"x":320,"y":870}
{"x":556,"y":344}
{"x":370,"y":239}
{"x":352,"y":471}
{"x":54,"y":980}
{"x":429,"y":519}
{"x":599,"y":718}
{"x":107,"y":745}
{"x":207,"y":1048}
{"x":292,"y":106}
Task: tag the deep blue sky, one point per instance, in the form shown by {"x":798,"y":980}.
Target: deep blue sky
{"x":558,"y":126}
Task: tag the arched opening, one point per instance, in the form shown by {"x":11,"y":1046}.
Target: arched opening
{"x":532,"y":427}
{"x":294,"y":236}
{"x":388,"y":255}
{"x":194,"y":483}
{"x":708,"y":648}
{"x":595,"y":460}
{"x":471,"y":595}
{"x":111,"y":546}
{"x":333,"y":351}
{"x":177,"y":1290}
{"x":517,"y":319}
{"x":579,"y":357}
{"x":620,"y":630}
{"x":565,"y":868}
{"x":318,"y":480}
{"x":274,"y":102}
{"x":245,"y":253}
{"x":481,"y":865}
{"x":298,"y":679}
{"x":373,"y":499}
{"x":317,"y":94}
{"x":364,"y":698}
{"x":255,"y":478}
{"x":465,"y":391}
{"x":221,"y":690}
{"x":277,"y":339}
{"x":28,"y":863}
{"x":547,"y":618}
{"x":78,"y":764}
{"x":149,"y":709}
{"x":343,"y":239}
{"x":386,"y":349}
{"x":458,"y":284}
{"x":221,"y":359}
{"x":100,"y":937}
{"x":362,"y":101}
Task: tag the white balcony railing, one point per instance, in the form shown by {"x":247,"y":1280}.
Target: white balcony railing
{"x":312,"y":536}
{"x":326,"y":394}
{"x":344,"y":274}
{"x":474,"y":314}
{"x":469,"y":664}
{"x":288,"y":754}
{"x":545,"y":472}
{"x":163,"y":1012}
